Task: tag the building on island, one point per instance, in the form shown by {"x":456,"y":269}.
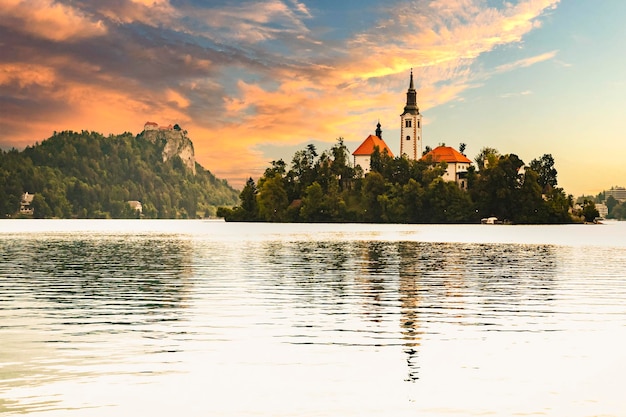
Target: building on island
{"x":26,"y":202}
{"x":411,"y":144}
{"x":457,"y":164}
{"x":411,"y":125}
{"x":363,"y":154}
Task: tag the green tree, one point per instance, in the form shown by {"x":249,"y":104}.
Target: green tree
{"x":272,"y":198}
{"x":413,"y":201}
{"x":312,"y":204}
{"x":447,"y":203}
{"x":496,"y":191}
{"x":544,"y":167}
{"x":248,"y":198}
{"x":611,"y":202}
{"x":41,"y":209}
{"x":487,"y":157}
{"x":373,"y":187}
{"x":589,"y":211}
{"x":531,"y":207}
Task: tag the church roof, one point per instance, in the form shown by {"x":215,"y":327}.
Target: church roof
{"x":368,"y":145}
{"x":446,"y":154}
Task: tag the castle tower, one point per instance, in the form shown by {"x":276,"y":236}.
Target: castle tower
{"x":411,"y":125}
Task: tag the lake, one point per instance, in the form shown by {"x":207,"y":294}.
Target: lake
{"x":206,"y":318}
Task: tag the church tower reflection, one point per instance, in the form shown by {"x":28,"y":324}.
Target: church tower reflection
{"x":409,"y":290}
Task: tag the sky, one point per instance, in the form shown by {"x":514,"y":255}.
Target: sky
{"x":254,"y":81}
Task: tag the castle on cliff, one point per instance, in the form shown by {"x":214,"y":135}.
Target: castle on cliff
{"x":176,"y":142}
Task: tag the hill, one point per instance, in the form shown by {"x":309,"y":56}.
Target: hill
{"x":88,"y":175}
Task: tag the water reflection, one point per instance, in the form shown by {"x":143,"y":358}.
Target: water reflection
{"x":420,"y":289}
{"x":97,"y":325}
{"x":138,"y":273}
{"x":62,"y":298}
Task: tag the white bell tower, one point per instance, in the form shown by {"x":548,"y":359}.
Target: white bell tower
{"x":411,"y":126}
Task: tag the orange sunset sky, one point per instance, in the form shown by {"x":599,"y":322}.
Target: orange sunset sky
{"x":253,"y":81}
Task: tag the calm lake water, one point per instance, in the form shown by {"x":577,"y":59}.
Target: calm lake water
{"x":205,"y":318}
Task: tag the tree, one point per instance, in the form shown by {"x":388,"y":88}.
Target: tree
{"x":302,"y":173}
{"x":544,"y":167}
{"x":496,"y":191}
{"x":341,"y":164}
{"x":589,"y":211}
{"x":531,"y":206}
{"x":312,"y":209}
{"x":248,"y":198}
{"x":447,"y":203}
{"x":611,"y":202}
{"x":379,"y":161}
{"x":413,"y":201}
{"x":272,"y":198}
{"x":41,"y":209}
{"x":373,"y":187}
{"x":487,"y":156}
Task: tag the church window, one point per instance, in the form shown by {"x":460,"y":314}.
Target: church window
{"x":418,"y":124}
{"x":408,"y":138}
{"x":407,"y":123}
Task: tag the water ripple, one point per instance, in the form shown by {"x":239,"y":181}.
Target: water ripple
{"x":81,"y":312}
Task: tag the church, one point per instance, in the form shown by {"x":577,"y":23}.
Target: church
{"x":411,"y":143}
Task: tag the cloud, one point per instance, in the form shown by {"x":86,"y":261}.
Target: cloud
{"x":520,"y":94}
{"x":239,"y":75}
{"x":48,"y":19}
{"x":526,"y":62}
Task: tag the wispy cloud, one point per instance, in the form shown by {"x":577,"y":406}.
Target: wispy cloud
{"x":238,"y":75}
{"x":526,"y":62}
{"x":519,"y":94}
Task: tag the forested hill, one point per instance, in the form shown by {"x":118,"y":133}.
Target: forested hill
{"x":88,"y":175}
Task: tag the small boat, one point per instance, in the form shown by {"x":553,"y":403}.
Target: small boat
{"x":490,"y":220}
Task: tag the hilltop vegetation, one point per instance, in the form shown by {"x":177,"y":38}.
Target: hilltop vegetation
{"x":325,"y":188}
{"x":88,"y":175}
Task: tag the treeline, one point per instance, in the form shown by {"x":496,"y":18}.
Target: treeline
{"x":325,"y":188}
{"x":87,"y":175}
{"x":616,"y":208}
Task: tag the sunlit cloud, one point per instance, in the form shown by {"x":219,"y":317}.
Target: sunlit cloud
{"x":48,"y":19}
{"x":244,"y":74}
{"x":526,"y":62}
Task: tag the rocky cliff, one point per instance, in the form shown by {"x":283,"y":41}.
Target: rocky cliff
{"x":174,"y":141}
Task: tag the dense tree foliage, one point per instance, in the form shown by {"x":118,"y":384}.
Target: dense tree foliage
{"x":87,"y":175}
{"x":325,"y":188}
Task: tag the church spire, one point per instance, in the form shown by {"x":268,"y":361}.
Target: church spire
{"x":379,"y":131}
{"x":411,"y":125}
{"x":411,"y":98}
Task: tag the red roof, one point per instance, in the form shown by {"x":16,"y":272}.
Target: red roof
{"x":368,"y":145}
{"x":446,"y":154}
